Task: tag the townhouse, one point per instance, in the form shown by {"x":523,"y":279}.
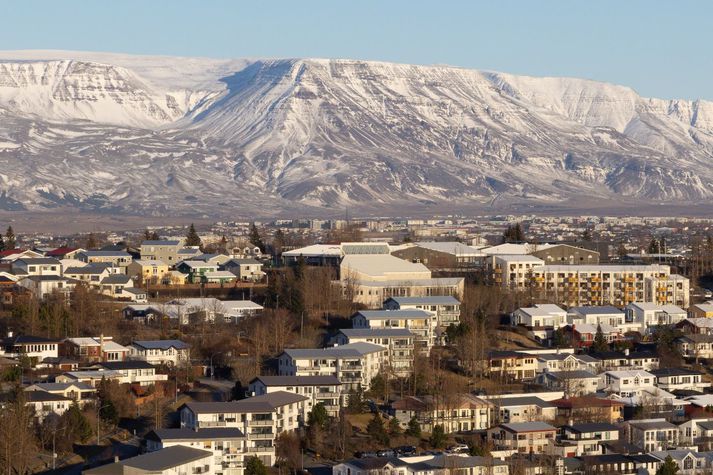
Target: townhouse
{"x":506,"y":364}
{"x":522,"y":408}
{"x":132,"y":372}
{"x":680,"y":379}
{"x":148,"y":271}
{"x":37,"y":266}
{"x":160,"y":352}
{"x":246,"y":270}
{"x":43,"y":286}
{"x":325,"y":390}
{"x":585,"y":438}
{"x":695,"y":346}
{"x":196,"y":270}
{"x":590,"y":409}
{"x":555,"y":362}
{"x":355,"y":364}
{"x":399,"y":343}
{"x":697,"y":325}
{"x":119,"y":259}
{"x":572,"y":382}
{"x":92,"y":350}
{"x":696,"y":431}
{"x":81,"y":393}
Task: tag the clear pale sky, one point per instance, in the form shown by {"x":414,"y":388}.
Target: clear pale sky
{"x":660,"y":48}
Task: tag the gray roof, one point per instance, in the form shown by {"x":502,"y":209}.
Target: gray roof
{"x":298,"y":380}
{"x":39,"y":260}
{"x":265,"y":403}
{"x":606,"y":309}
{"x":432,"y":300}
{"x":527,"y":426}
{"x":105,"y":253}
{"x":116,"y":279}
{"x":242,"y":262}
{"x":39,"y":396}
{"x":381,"y":314}
{"x":524,"y":401}
{"x":651,"y":425}
{"x":352,"y":350}
{"x":160,"y":344}
{"x":662,"y":372}
{"x":90,"y":269}
{"x":184,"y":433}
{"x":376,"y":332}
{"x":162,"y":242}
{"x":574,"y":374}
{"x":120,"y":365}
{"x":62,"y":386}
{"x":593,"y":427}
{"x":158,"y":461}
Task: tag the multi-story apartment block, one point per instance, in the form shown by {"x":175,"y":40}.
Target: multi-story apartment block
{"x":165,"y":250}
{"x":515,"y":271}
{"x":261,"y":419}
{"x":398,"y":341}
{"x":325,"y":390}
{"x":454,"y":412}
{"x":617,"y":285}
{"x":421,"y":323}
{"x":355,"y":364}
{"x":446,"y":307}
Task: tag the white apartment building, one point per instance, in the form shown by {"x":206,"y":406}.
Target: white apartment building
{"x":398,"y":341}
{"x":260,"y":418}
{"x":421,"y":323}
{"x":651,"y":435}
{"x":174,"y":460}
{"x":355,"y":364}
{"x":515,"y":271}
{"x":325,"y":390}
{"x":446,"y":307}
{"x":228,"y":444}
{"x":672,"y":379}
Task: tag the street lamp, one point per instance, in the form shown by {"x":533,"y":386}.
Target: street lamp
{"x":99,"y":408}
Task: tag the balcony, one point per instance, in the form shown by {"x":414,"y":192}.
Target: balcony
{"x":260,"y":422}
{"x":261,"y":449}
{"x":319,"y":396}
{"x":261,"y":436}
{"x":629,"y":279}
{"x":211,"y":424}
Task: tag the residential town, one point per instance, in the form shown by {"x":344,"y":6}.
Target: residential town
{"x":498,"y":345}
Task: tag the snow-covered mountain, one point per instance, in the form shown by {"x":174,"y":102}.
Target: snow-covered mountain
{"x":157,"y":135}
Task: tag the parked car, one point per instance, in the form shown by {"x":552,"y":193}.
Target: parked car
{"x":406,"y":450}
{"x":386,"y":453}
{"x":458,"y":449}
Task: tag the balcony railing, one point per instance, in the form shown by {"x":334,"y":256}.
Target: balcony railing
{"x":261,"y":449}
{"x":260,"y":422}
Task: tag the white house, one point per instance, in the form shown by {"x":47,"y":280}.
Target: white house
{"x":158,"y":352}
{"x":325,"y":390}
{"x":173,"y":460}
{"x":648,"y":315}
{"x":421,"y":323}
{"x":398,"y":341}
{"x":446,"y":307}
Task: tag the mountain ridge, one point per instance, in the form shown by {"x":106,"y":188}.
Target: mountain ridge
{"x":320,"y":135}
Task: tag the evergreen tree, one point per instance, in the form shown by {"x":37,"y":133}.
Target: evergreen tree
{"x":621,"y":250}
{"x":2,"y":243}
{"x":394,"y":427}
{"x":600,"y":343}
{"x":192,"y":237}
{"x":77,"y":425}
{"x":318,"y":416}
{"x":587,"y":235}
{"x":255,"y":238}
{"x":223,"y":245}
{"x":375,"y":428}
{"x":254,"y":466}
{"x":10,"y":241}
{"x":514,"y":233}
{"x":414,"y":428}
{"x":438,"y":437}
{"x":668,"y":467}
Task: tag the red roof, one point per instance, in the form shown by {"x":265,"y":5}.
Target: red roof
{"x":61,"y":251}
{"x":10,"y":252}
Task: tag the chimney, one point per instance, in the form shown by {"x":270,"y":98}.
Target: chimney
{"x":101,"y":346}
{"x":626,"y":352}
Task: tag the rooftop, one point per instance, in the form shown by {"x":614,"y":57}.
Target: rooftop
{"x":430,"y":300}
{"x":298,"y":380}
{"x":265,"y":403}
{"x":159,"y":461}
{"x":352,"y":350}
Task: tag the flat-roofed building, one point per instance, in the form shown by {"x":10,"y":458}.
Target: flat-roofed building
{"x":446,"y":307}
{"x":515,"y":271}
{"x":523,"y":437}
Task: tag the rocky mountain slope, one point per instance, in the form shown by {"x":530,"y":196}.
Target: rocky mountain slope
{"x":155,"y":135}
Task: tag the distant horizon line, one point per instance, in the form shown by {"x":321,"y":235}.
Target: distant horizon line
{"x":318,"y":58}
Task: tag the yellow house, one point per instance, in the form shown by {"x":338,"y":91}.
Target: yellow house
{"x":151,"y":271}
